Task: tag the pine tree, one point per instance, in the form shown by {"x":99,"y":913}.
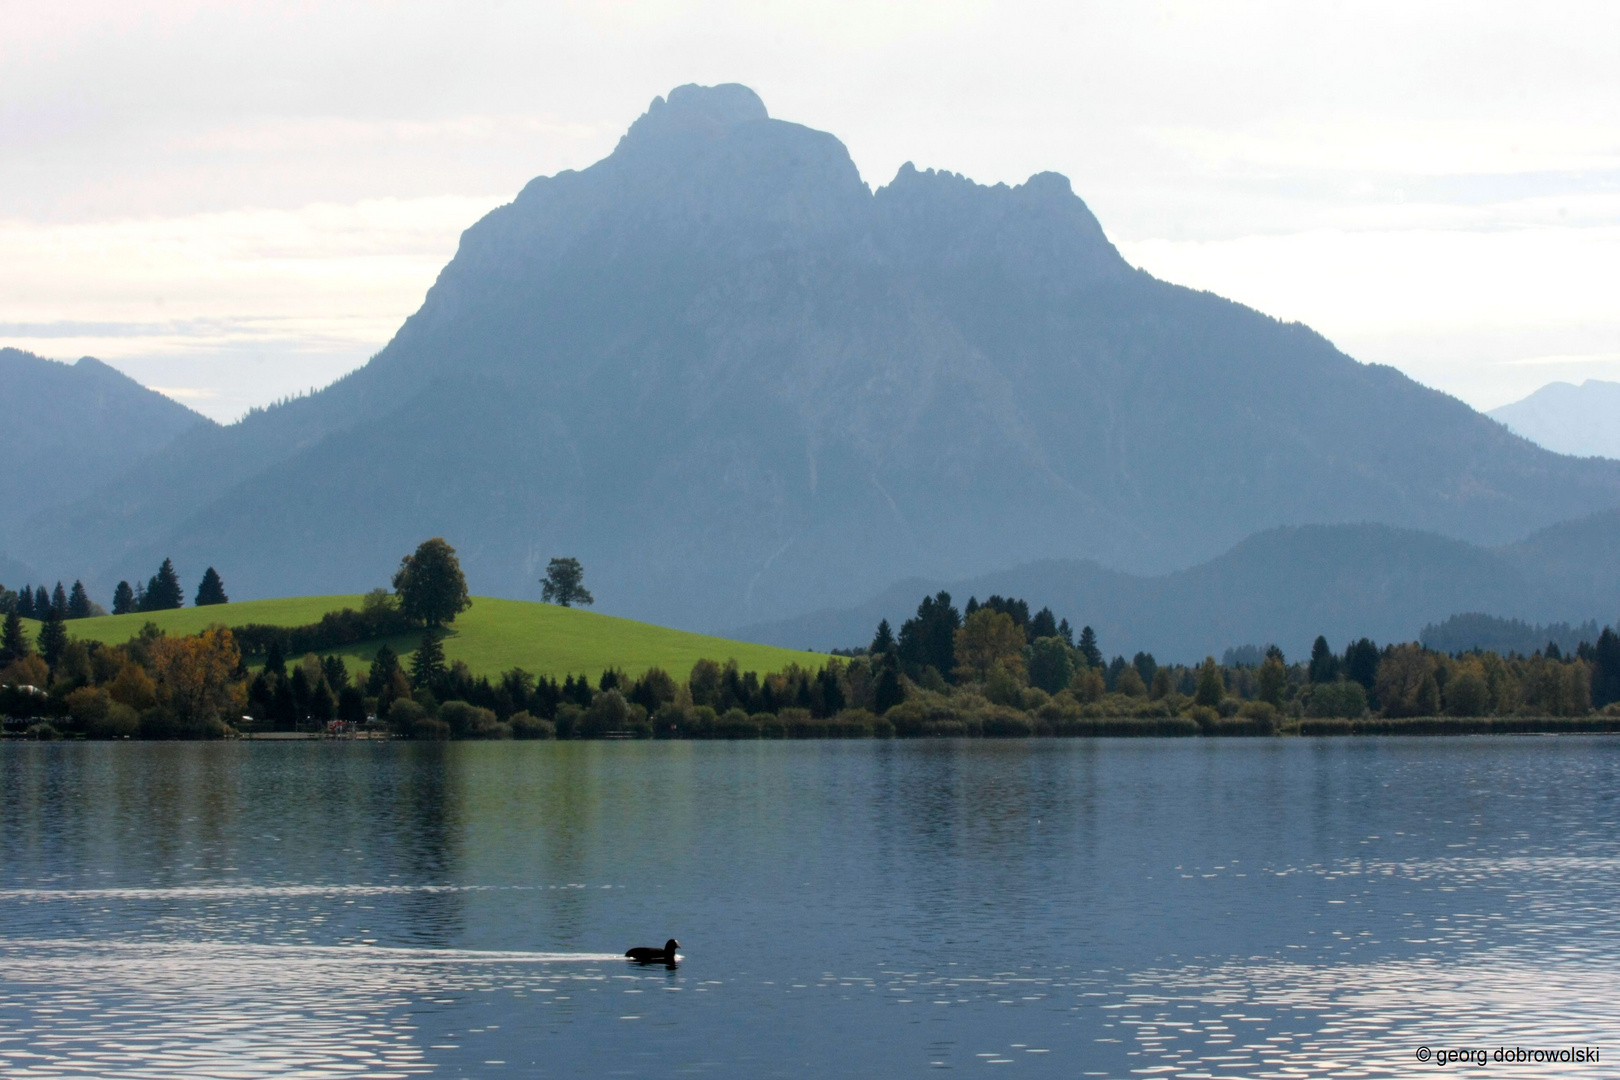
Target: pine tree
{"x":274,"y":661}
{"x":59,"y":602}
{"x":53,"y":639}
{"x":123,"y":599}
{"x":889,"y":692}
{"x":883,"y":640}
{"x":1324,"y":665}
{"x":13,"y":642}
{"x":42,"y":604}
{"x":1089,"y":649}
{"x":163,"y":592}
{"x":1066,"y":632}
{"x":25,"y":602}
{"x":427,"y":666}
{"x":383,"y":666}
{"x":78,"y":605}
{"x":211,"y":590}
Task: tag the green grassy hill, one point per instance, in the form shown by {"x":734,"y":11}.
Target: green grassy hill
{"x":490,"y":637}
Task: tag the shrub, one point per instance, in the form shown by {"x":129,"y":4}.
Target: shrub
{"x":736,"y":724}
{"x":526,"y":726}
{"x":1344,"y":698}
{"x":88,"y":706}
{"x":159,"y":723}
{"x":120,"y":722}
{"x":42,"y":731}
{"x":568,"y":721}
{"x":609,"y":714}
{"x":1205,"y":715}
{"x":469,"y":721}
{"x":403,"y":715}
{"x":1033,"y":699}
{"x":428,"y":729}
{"x":1003,"y":722}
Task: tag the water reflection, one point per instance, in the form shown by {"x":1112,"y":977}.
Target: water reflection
{"x":1063,"y":908}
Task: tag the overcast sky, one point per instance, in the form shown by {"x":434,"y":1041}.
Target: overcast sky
{"x":237,"y":202}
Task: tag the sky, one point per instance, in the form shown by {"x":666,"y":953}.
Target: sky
{"x":238,"y":202}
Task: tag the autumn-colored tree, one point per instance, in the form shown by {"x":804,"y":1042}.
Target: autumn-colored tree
{"x":988,"y":638}
{"x":1406,"y":684}
{"x":196,"y":675}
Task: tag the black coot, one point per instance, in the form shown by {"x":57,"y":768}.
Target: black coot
{"x":641,"y":954}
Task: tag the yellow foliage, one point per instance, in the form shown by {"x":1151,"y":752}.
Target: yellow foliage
{"x":196,"y":674}
{"x":986,"y":639}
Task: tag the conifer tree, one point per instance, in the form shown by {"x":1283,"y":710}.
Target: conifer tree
{"x":1088,"y":647}
{"x":211,"y":590}
{"x":13,"y":642}
{"x":59,"y":607}
{"x":889,"y":692}
{"x":383,"y":666}
{"x":42,"y":604}
{"x":123,"y":599}
{"x":78,"y":605}
{"x":25,"y":602}
{"x":163,"y":592}
{"x":1324,"y":665}
{"x":883,"y":640}
{"x":1066,"y":632}
{"x":427,"y":666}
{"x":53,"y":639}
{"x":274,"y":661}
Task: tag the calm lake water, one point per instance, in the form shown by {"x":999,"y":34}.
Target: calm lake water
{"x":1064,"y":908}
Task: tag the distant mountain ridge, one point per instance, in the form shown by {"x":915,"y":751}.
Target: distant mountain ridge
{"x":739,"y":385}
{"x":1283,"y":586}
{"x":69,"y":429}
{"x":1582,"y":420}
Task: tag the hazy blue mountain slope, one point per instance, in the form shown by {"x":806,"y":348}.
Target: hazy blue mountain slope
{"x":739,"y":385}
{"x":70,"y":428}
{"x":1582,"y":420}
{"x":1281,"y":586}
{"x":14,"y":575}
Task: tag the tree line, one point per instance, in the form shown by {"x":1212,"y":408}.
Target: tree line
{"x":161,"y":592}
{"x":991,"y":668}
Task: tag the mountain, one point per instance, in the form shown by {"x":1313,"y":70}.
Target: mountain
{"x":739,"y":384}
{"x":1282,"y":586}
{"x":70,"y":428}
{"x":1582,"y":420}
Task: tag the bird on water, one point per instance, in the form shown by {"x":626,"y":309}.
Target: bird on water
{"x":642,"y":954}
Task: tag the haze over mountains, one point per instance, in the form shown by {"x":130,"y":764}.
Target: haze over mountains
{"x":1583,"y":420}
{"x":740,"y":385}
{"x":69,"y":429}
{"x":1282,"y":586}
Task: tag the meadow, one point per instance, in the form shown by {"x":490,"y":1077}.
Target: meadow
{"x":490,"y":637}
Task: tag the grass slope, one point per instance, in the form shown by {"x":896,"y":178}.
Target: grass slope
{"x":490,"y":637}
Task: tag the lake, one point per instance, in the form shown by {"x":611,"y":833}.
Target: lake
{"x":1108,"y":908}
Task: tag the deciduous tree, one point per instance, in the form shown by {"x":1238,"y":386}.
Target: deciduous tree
{"x":564,"y":583}
{"x":430,"y":584}
{"x":987,"y":638}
